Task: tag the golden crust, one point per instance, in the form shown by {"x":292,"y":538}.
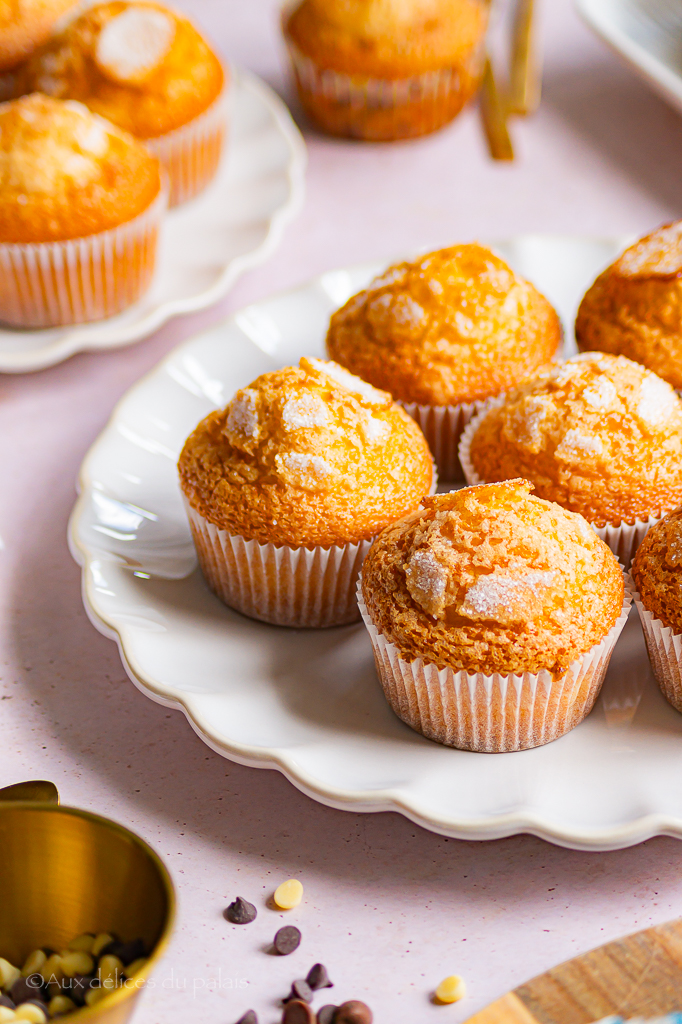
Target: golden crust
{"x":387,"y":38}
{"x":66,"y":173}
{"x":634,"y":308}
{"x":598,"y":434}
{"x":306,"y":456}
{"x":182,"y":80}
{"x":24,"y":25}
{"x":491,"y":579}
{"x":657,"y":570}
{"x":454,"y":326}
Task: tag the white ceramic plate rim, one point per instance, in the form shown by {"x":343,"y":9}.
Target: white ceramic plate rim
{"x":482,"y":827}
{"x":84,"y":337}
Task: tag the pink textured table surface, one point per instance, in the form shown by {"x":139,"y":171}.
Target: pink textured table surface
{"x":389,"y":908}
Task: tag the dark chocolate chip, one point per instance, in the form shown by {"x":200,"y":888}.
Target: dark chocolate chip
{"x":125,"y":951}
{"x":300,"y":989}
{"x":298,"y":1012}
{"x":250,"y":1017}
{"x":24,"y":989}
{"x":353,"y":1012}
{"x":325,"y":1015}
{"x":77,"y":988}
{"x":287,"y":940}
{"x":318,"y":977}
{"x":240,"y":912}
{"x":6,"y":1001}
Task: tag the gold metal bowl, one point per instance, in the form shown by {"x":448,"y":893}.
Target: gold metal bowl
{"x":64,"y":872}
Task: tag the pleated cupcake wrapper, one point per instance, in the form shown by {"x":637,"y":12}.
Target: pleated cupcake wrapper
{"x":442,"y":426}
{"x":665,"y":651}
{"x":440,"y":94}
{"x":623,"y":538}
{"x":491,"y":714}
{"x":191,"y":154}
{"x":301,"y":587}
{"x":53,"y":284}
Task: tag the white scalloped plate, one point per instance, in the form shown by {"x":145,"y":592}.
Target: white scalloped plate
{"x":306,"y":702}
{"x":234,"y":225}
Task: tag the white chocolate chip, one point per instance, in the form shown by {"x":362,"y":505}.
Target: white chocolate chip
{"x":133,"y":43}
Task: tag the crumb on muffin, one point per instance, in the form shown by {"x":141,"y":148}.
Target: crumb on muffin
{"x":657,"y":570}
{"x":634,"y":308}
{"x":492,"y":579}
{"x":454,"y":326}
{"x":598,"y":434}
{"x":306,"y":456}
{"x":66,"y":173}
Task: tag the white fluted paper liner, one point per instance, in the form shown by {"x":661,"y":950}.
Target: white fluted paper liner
{"x":54,"y":284}
{"x":491,"y":714}
{"x":623,"y":538}
{"x":665,"y":651}
{"x":190,"y":155}
{"x":411,"y":106}
{"x":300,"y":587}
{"x":442,"y":426}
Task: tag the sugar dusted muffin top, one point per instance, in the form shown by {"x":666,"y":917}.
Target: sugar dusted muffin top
{"x":634,"y":308}
{"x":66,"y":173}
{"x":139,"y":64}
{"x":453,"y":326}
{"x":492,"y":579}
{"x":657,"y":570}
{"x":306,"y":456}
{"x":387,"y":38}
{"x":598,"y":434}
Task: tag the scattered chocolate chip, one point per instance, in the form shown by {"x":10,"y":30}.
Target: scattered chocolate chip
{"x":325,"y":1015}
{"x":250,"y":1017}
{"x":240,"y":912}
{"x":127,"y":952}
{"x":287,"y":940}
{"x":300,"y":989}
{"x":353,"y":1012}
{"x":318,"y":977}
{"x":24,"y":989}
{"x":6,"y":1001}
{"x":77,"y":988}
{"x":298,"y":1012}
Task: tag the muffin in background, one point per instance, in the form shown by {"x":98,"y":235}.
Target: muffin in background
{"x":81,"y":203}
{"x":598,"y":434}
{"x":385,"y":69}
{"x":657,"y":572}
{"x":443,"y":332}
{"x":25,"y":25}
{"x":286,"y":487}
{"x":634,"y":308}
{"x":493,"y":615}
{"x":147,"y":70}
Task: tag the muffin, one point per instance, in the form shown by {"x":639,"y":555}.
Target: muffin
{"x":598,"y":434}
{"x":385,"y":69}
{"x":24,"y":25}
{"x":634,"y":308}
{"x":148,"y":71}
{"x":657,"y":572}
{"x":441,"y":333}
{"x":80,"y":207}
{"x":286,"y":487}
{"x":493,"y":615}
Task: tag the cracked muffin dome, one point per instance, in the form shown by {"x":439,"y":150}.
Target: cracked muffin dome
{"x":453,"y":326}
{"x":142,"y":66}
{"x":634,"y":308}
{"x":657,"y":571}
{"x":492,"y":579}
{"x":306,"y":456}
{"x":66,"y":173}
{"x":598,"y":434}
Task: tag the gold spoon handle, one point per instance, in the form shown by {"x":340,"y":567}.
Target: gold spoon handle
{"x":39,"y":791}
{"x":494,"y":116}
{"x":525,"y":77}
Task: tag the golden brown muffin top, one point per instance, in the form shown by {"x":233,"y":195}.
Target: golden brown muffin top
{"x":66,"y":173}
{"x":598,"y":434}
{"x":306,"y":456}
{"x":387,"y":38}
{"x":634,"y":308}
{"x":453,"y":326}
{"x":143,"y":67}
{"x":25,"y":24}
{"x":492,"y":579}
{"x":657,"y":570}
